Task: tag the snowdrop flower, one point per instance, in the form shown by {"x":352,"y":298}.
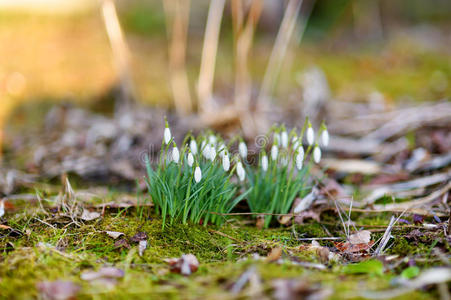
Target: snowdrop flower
{"x":325,"y":138}
{"x":276,"y":138}
{"x":175,"y":154}
{"x":206,"y":151}
{"x":243,"y":150}
{"x":225,"y":162}
{"x":299,"y":159}
{"x":317,"y":154}
{"x":296,"y":143}
{"x":310,"y":135}
{"x":197,"y":174}
{"x":212,"y":140}
{"x":264,"y":162}
{"x":274,"y":152}
{"x":167,"y":134}
{"x":193,"y":146}
{"x":284,"y":139}
{"x":240,"y":171}
{"x":190,"y":159}
{"x":212,"y":152}
{"x":221,"y":149}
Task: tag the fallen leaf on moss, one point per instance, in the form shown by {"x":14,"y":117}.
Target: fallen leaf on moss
{"x":122,"y":243}
{"x":274,"y":255}
{"x":89,"y":215}
{"x":185,"y":265}
{"x":114,"y":234}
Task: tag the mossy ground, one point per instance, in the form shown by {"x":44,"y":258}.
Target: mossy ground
{"x":57,"y":250}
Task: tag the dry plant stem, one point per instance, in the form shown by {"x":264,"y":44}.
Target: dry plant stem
{"x":120,"y":49}
{"x":385,"y":237}
{"x":177,"y":19}
{"x":417,"y":202}
{"x":280,"y":47}
{"x":243,"y":38}
{"x":209,"y":51}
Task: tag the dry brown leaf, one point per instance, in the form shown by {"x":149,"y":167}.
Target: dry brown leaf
{"x":274,"y":255}
{"x":140,"y":236}
{"x":323,"y":254}
{"x":185,"y":265}
{"x":89,"y":215}
{"x":122,"y":243}
{"x":114,"y":234}
{"x":361,"y":237}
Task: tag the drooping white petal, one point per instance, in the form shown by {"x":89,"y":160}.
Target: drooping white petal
{"x":276,"y":138}
{"x":206,"y":151}
{"x":299,"y":160}
{"x":264,"y":163}
{"x":317,"y":154}
{"x":310,"y":135}
{"x":274,"y":152}
{"x":221,"y":149}
{"x":284,"y":139}
{"x":175,"y":154}
{"x":193,"y":146}
{"x":225,"y":162}
{"x":325,"y":138}
{"x":197,"y":174}
{"x":212,"y":153}
{"x":190,"y":159}
{"x":167,"y":135}
{"x":212,"y":139}
{"x":243,"y":150}
{"x":240,"y":171}
{"x":300,"y":152}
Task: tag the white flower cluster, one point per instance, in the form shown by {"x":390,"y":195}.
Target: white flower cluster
{"x":282,"y":150}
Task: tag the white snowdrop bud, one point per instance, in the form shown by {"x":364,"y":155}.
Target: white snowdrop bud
{"x":175,"y":154}
{"x":206,"y":151}
{"x":225,"y":162}
{"x":190,"y":159}
{"x":300,"y":152}
{"x":2,"y":208}
{"x":212,"y":152}
{"x":221,"y":149}
{"x":264,"y":163}
{"x":193,"y":146}
{"x":197,"y":174}
{"x":276,"y":138}
{"x":325,"y":138}
{"x":284,"y":139}
{"x":274,"y":152}
{"x":212,"y":139}
{"x":299,"y":160}
{"x":240,"y":171}
{"x":243,"y":150}
{"x":317,"y":154}
{"x":296,"y":144}
{"x":310,"y":135}
{"x":167,"y":135}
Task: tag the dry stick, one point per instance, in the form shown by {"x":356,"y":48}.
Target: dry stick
{"x":177,"y":20}
{"x":280,"y":48}
{"x":414,"y":203}
{"x":385,"y":237}
{"x":120,"y":49}
{"x":209,"y":51}
{"x":243,"y":37}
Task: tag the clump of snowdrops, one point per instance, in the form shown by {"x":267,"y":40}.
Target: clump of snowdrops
{"x":284,"y":173}
{"x":202,"y":182}
{"x":193,"y":183}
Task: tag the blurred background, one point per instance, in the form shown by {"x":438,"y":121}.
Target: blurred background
{"x":237,"y":64}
